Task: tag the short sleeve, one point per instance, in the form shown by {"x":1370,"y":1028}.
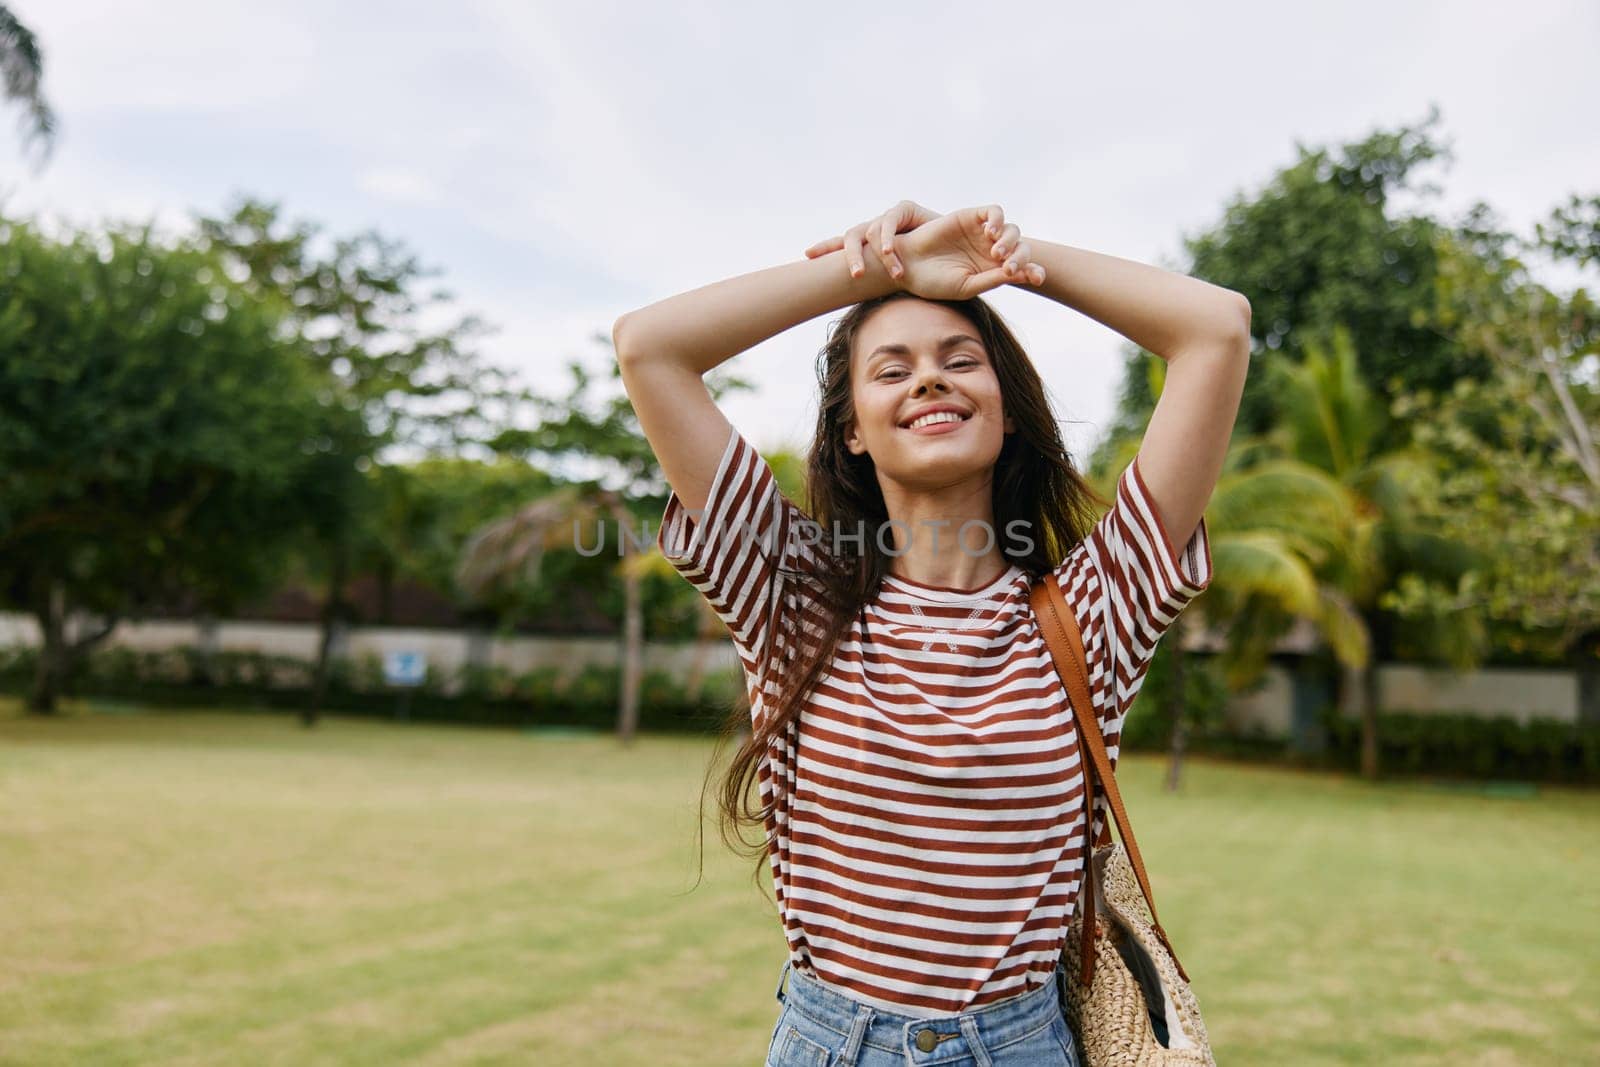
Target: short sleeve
{"x":735,"y":550}
{"x":1128,"y":583}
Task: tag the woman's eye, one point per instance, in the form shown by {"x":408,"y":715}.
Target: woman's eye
{"x":957,"y":364}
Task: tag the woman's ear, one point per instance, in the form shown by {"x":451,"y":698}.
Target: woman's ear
{"x":1010,"y":423}
{"x":852,"y":440}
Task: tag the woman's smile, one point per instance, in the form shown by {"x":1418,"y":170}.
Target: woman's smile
{"x":939,"y":424}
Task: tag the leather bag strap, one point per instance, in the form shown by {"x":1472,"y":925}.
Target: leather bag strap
{"x":1059,"y":626}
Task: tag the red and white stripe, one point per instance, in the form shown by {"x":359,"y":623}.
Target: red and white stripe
{"x":926,"y":848}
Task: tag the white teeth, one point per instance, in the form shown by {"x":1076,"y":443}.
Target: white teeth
{"x":938,"y":416}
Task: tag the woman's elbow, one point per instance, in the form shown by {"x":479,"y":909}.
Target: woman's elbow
{"x":1242,"y":311}
{"x":621,"y":337}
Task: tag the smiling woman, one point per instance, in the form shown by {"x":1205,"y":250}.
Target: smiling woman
{"x":916,"y":756}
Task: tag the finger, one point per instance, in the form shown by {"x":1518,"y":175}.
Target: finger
{"x":874,"y":241}
{"x":884,"y":240}
{"x":1036,"y":274}
{"x":822,"y":248}
{"x":1008,"y":241}
{"x":901,"y":218}
{"x":1019,"y":258}
{"x":852,"y":251}
{"x":994,"y":220}
{"x":983,"y":282}
{"x":909,"y":215}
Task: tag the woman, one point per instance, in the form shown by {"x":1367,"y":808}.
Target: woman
{"x":917,"y":760}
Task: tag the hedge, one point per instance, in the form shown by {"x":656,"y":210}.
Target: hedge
{"x":187,"y":677}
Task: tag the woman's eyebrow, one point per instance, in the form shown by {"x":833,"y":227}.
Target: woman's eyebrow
{"x":897,"y":349}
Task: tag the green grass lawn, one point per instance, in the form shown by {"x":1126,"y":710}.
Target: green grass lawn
{"x":232,"y":889}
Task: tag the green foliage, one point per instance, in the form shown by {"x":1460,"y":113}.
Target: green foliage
{"x":1312,"y":523}
{"x":372,"y":333}
{"x":595,"y":421}
{"x":1320,"y":246}
{"x":1516,"y":471}
{"x":520,"y":565}
{"x":158,"y":435}
{"x":474,"y":693}
{"x":1450,"y":744}
{"x":21,"y":78}
{"x":1416,"y":361}
{"x":431,"y":507}
{"x":1327,"y":417}
{"x":357,"y":306}
{"x":1472,"y":746}
{"x":1148,"y":726}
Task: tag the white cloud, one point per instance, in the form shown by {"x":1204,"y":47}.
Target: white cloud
{"x":398,"y":184}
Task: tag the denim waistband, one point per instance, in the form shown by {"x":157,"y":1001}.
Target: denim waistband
{"x":990,"y":1026}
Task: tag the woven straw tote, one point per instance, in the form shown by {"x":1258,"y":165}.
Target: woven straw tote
{"x":1128,"y":1000}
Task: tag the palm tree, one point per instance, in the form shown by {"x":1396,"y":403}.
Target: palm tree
{"x":1309,"y":523}
{"x":1272,"y":524}
{"x":512,"y":547}
{"x":22,"y":71}
{"x":1329,"y":422}
{"x":1275,"y":525}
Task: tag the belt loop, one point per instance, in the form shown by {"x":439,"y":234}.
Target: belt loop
{"x":969,"y":1030}
{"x":782,"y":974}
{"x":858,"y":1033}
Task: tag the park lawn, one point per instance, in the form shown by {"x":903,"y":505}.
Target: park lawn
{"x":213,"y":888}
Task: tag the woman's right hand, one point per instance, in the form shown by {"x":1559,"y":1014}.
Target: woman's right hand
{"x":879,"y":234}
{"x":940,"y":257}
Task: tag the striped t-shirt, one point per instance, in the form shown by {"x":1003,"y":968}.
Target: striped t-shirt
{"x":927,"y":842}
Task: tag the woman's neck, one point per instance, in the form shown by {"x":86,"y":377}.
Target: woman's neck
{"x":945,"y":538}
{"x":965,"y":574}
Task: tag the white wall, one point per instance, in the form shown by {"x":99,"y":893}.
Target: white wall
{"x":445,"y":650}
{"x":1522,"y":693}
{"x":1268,"y":710}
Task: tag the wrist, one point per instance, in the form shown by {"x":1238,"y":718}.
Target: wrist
{"x":1058,"y":264}
{"x":874,"y":280}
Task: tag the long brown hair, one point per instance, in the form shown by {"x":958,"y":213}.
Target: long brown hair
{"x":1034,"y":481}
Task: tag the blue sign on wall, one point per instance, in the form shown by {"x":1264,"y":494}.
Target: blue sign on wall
{"x":404,"y":668}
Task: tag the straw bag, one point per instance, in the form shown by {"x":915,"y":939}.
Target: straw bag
{"x":1128,"y":1000}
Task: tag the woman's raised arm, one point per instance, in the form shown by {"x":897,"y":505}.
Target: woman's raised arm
{"x":1202,"y":331}
{"x":664,"y":349}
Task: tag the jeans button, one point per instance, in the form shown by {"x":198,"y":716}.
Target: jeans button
{"x":927,"y":1040}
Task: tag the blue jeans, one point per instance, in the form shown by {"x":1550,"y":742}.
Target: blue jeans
{"x":819,"y":1027}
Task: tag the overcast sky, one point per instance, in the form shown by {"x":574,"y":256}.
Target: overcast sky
{"x":564,"y":163}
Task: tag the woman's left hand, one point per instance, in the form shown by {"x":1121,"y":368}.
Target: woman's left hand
{"x":947,"y":257}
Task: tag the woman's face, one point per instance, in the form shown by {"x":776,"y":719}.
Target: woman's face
{"x":912,"y":357}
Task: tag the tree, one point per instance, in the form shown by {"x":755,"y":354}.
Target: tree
{"x":1272,"y":522}
{"x":159,"y":437}
{"x":426,"y":510}
{"x":576,"y":428}
{"x":511,"y":547}
{"x":1331,"y":422}
{"x":1312,"y":522}
{"x":1322,"y":246}
{"x":22,"y":72}
{"x":355,"y":304}
{"x":1518,"y":456}
{"x":1329,"y":262}
{"x":358,"y":316}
